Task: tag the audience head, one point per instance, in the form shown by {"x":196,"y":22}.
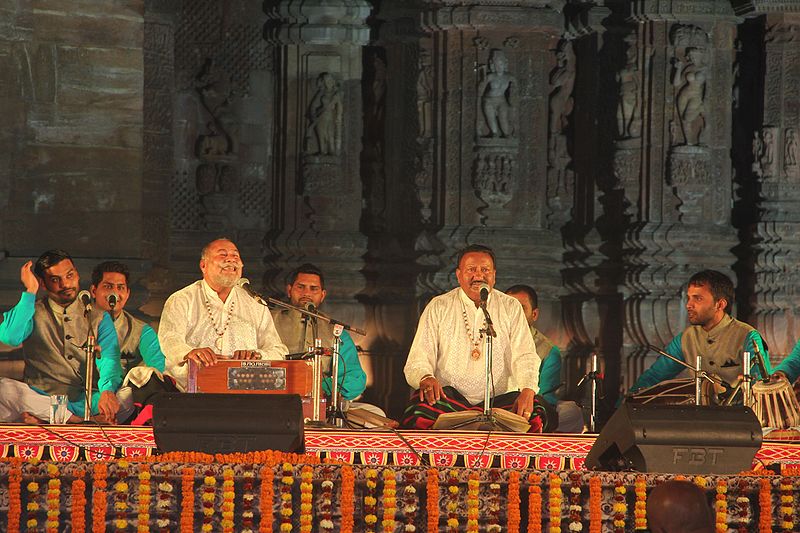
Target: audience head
{"x":528,"y":298}
{"x":679,"y":507}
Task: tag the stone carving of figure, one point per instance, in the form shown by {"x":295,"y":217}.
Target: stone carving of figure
{"x":562,"y":79}
{"x":790,"y":156}
{"x":424,"y":93}
{"x":325,"y":117}
{"x":690,"y":77}
{"x":496,"y":93}
{"x":628,"y":105}
{"x":768,"y":151}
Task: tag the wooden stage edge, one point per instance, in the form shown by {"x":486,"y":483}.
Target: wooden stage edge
{"x":373,"y":447}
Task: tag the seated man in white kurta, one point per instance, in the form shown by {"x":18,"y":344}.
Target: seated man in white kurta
{"x":446,"y":363}
{"x":214,"y":318}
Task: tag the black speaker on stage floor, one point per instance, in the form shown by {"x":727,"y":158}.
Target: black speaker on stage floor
{"x":685,"y":439}
{"x":226,"y":423}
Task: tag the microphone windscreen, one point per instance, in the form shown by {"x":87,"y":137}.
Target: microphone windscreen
{"x":112,"y":300}
{"x":243,"y":282}
{"x":85,"y":297}
{"x":310,"y":307}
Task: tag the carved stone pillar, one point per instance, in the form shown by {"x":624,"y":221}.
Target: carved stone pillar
{"x":318,"y":129}
{"x":673,"y":161}
{"x":774,"y":164}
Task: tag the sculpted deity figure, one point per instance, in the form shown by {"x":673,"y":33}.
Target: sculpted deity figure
{"x":768,"y":151}
{"x":628,"y":104}
{"x":690,"y":77}
{"x":325,"y":117}
{"x":424,"y":93}
{"x":496,"y":92}
{"x":562,"y":79}
{"x":790,"y":155}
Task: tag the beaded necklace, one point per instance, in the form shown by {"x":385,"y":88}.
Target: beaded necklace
{"x":218,"y":331}
{"x":476,"y":350}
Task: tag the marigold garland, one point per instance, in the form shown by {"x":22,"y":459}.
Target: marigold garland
{"x":493,"y":508}
{"x":15,"y":495}
{"x":721,"y":506}
{"x":207,"y":498}
{"x":370,"y":501}
{"x":227,"y":500}
{"x":556,"y":499}
{"x":53,"y":498}
{"x":473,"y":493}
{"x":99,"y":497}
{"x":514,"y":500}
{"x":33,"y":505}
{"x":266,"y":498}
{"x":534,"y":503}
{"x":575,"y":505}
{"x":409,"y":501}
{"x":640,"y":507}
{"x":432,"y":503}
{"x":348,"y":499}
{"x":247,"y":499}
{"x":765,"y":506}
{"x":78,"y":505}
{"x":121,"y":490}
{"x":287,"y":480}
{"x":787,"y":504}
{"x":143,"y":514}
{"x":389,"y":500}
{"x":620,"y":506}
{"x":595,"y":501}
{"x":306,"y":498}
{"x":452,"y":501}
{"x":187,"y":500}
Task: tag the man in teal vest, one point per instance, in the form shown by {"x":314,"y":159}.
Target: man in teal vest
{"x":712,"y":333}
{"x":54,"y":331}
{"x":570,"y":417}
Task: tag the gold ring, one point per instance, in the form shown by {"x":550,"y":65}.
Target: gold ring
{"x":526,"y":413}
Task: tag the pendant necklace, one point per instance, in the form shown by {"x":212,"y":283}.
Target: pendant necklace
{"x":476,"y":351}
{"x":220,"y":332}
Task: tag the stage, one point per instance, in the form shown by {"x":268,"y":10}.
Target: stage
{"x":368,"y":447}
{"x":114,"y":478}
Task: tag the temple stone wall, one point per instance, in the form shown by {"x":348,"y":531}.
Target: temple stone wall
{"x":606,"y":150}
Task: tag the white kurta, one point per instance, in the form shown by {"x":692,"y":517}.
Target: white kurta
{"x":442,"y":346}
{"x":186,"y":324}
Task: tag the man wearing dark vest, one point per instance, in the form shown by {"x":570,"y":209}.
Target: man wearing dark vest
{"x":53,"y":331}
{"x":712,"y":333}
{"x":138,"y":342}
{"x":305,"y":287}
{"x":570,"y":417}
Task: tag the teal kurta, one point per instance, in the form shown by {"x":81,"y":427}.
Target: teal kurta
{"x":550,"y":369}
{"x":791,"y":364}
{"x":721,"y":350}
{"x":55,"y":359}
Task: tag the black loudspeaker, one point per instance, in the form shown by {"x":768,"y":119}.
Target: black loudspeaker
{"x":227,"y":423}
{"x":684,"y":439}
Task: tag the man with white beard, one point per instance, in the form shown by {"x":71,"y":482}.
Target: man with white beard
{"x":214,"y":317}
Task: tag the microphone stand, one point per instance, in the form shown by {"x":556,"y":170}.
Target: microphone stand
{"x":486,"y":421}
{"x":90,"y":354}
{"x":334,"y":416}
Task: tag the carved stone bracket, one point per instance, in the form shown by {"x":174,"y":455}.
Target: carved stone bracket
{"x":692,"y":175}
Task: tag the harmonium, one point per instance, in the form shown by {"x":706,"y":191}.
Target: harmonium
{"x":254,"y":376}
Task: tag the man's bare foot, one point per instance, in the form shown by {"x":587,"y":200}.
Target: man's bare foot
{"x":27,"y":418}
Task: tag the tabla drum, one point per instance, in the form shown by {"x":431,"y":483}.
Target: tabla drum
{"x":675,"y":392}
{"x":775,"y":404}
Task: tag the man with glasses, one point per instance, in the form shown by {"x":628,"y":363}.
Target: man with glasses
{"x":446,"y":363}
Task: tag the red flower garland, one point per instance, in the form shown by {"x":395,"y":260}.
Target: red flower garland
{"x":493,"y":520}
{"x":452,"y":502}
{"x":741,"y":514}
{"x":410,"y":504}
{"x":575,"y":504}
{"x":787,"y":504}
{"x":247,"y":499}
{"x":620,"y":507}
{"x":326,"y":500}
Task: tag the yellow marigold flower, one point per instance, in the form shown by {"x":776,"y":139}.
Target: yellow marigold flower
{"x":452,"y":522}
{"x":371,"y":519}
{"x":453,"y":489}
{"x":32,"y":506}
{"x":369,"y":500}
{"x":31,"y":523}
{"x":33,"y":486}
{"x":286,"y":527}
{"x":286,"y":511}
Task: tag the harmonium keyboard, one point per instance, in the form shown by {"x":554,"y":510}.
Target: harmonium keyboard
{"x":255,"y":376}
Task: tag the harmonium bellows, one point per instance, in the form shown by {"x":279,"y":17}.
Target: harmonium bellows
{"x":257,"y":377}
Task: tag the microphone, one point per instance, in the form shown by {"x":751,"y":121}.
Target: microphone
{"x":86,"y":299}
{"x":244,"y":283}
{"x":310,"y":307}
{"x":112,"y":300}
{"x":484,"y":292}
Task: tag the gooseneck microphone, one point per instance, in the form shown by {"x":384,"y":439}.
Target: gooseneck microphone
{"x":86,"y":300}
{"x":112,"y":300}
{"x":310,"y":307}
{"x":244,"y":283}
{"x":484,"y":292}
